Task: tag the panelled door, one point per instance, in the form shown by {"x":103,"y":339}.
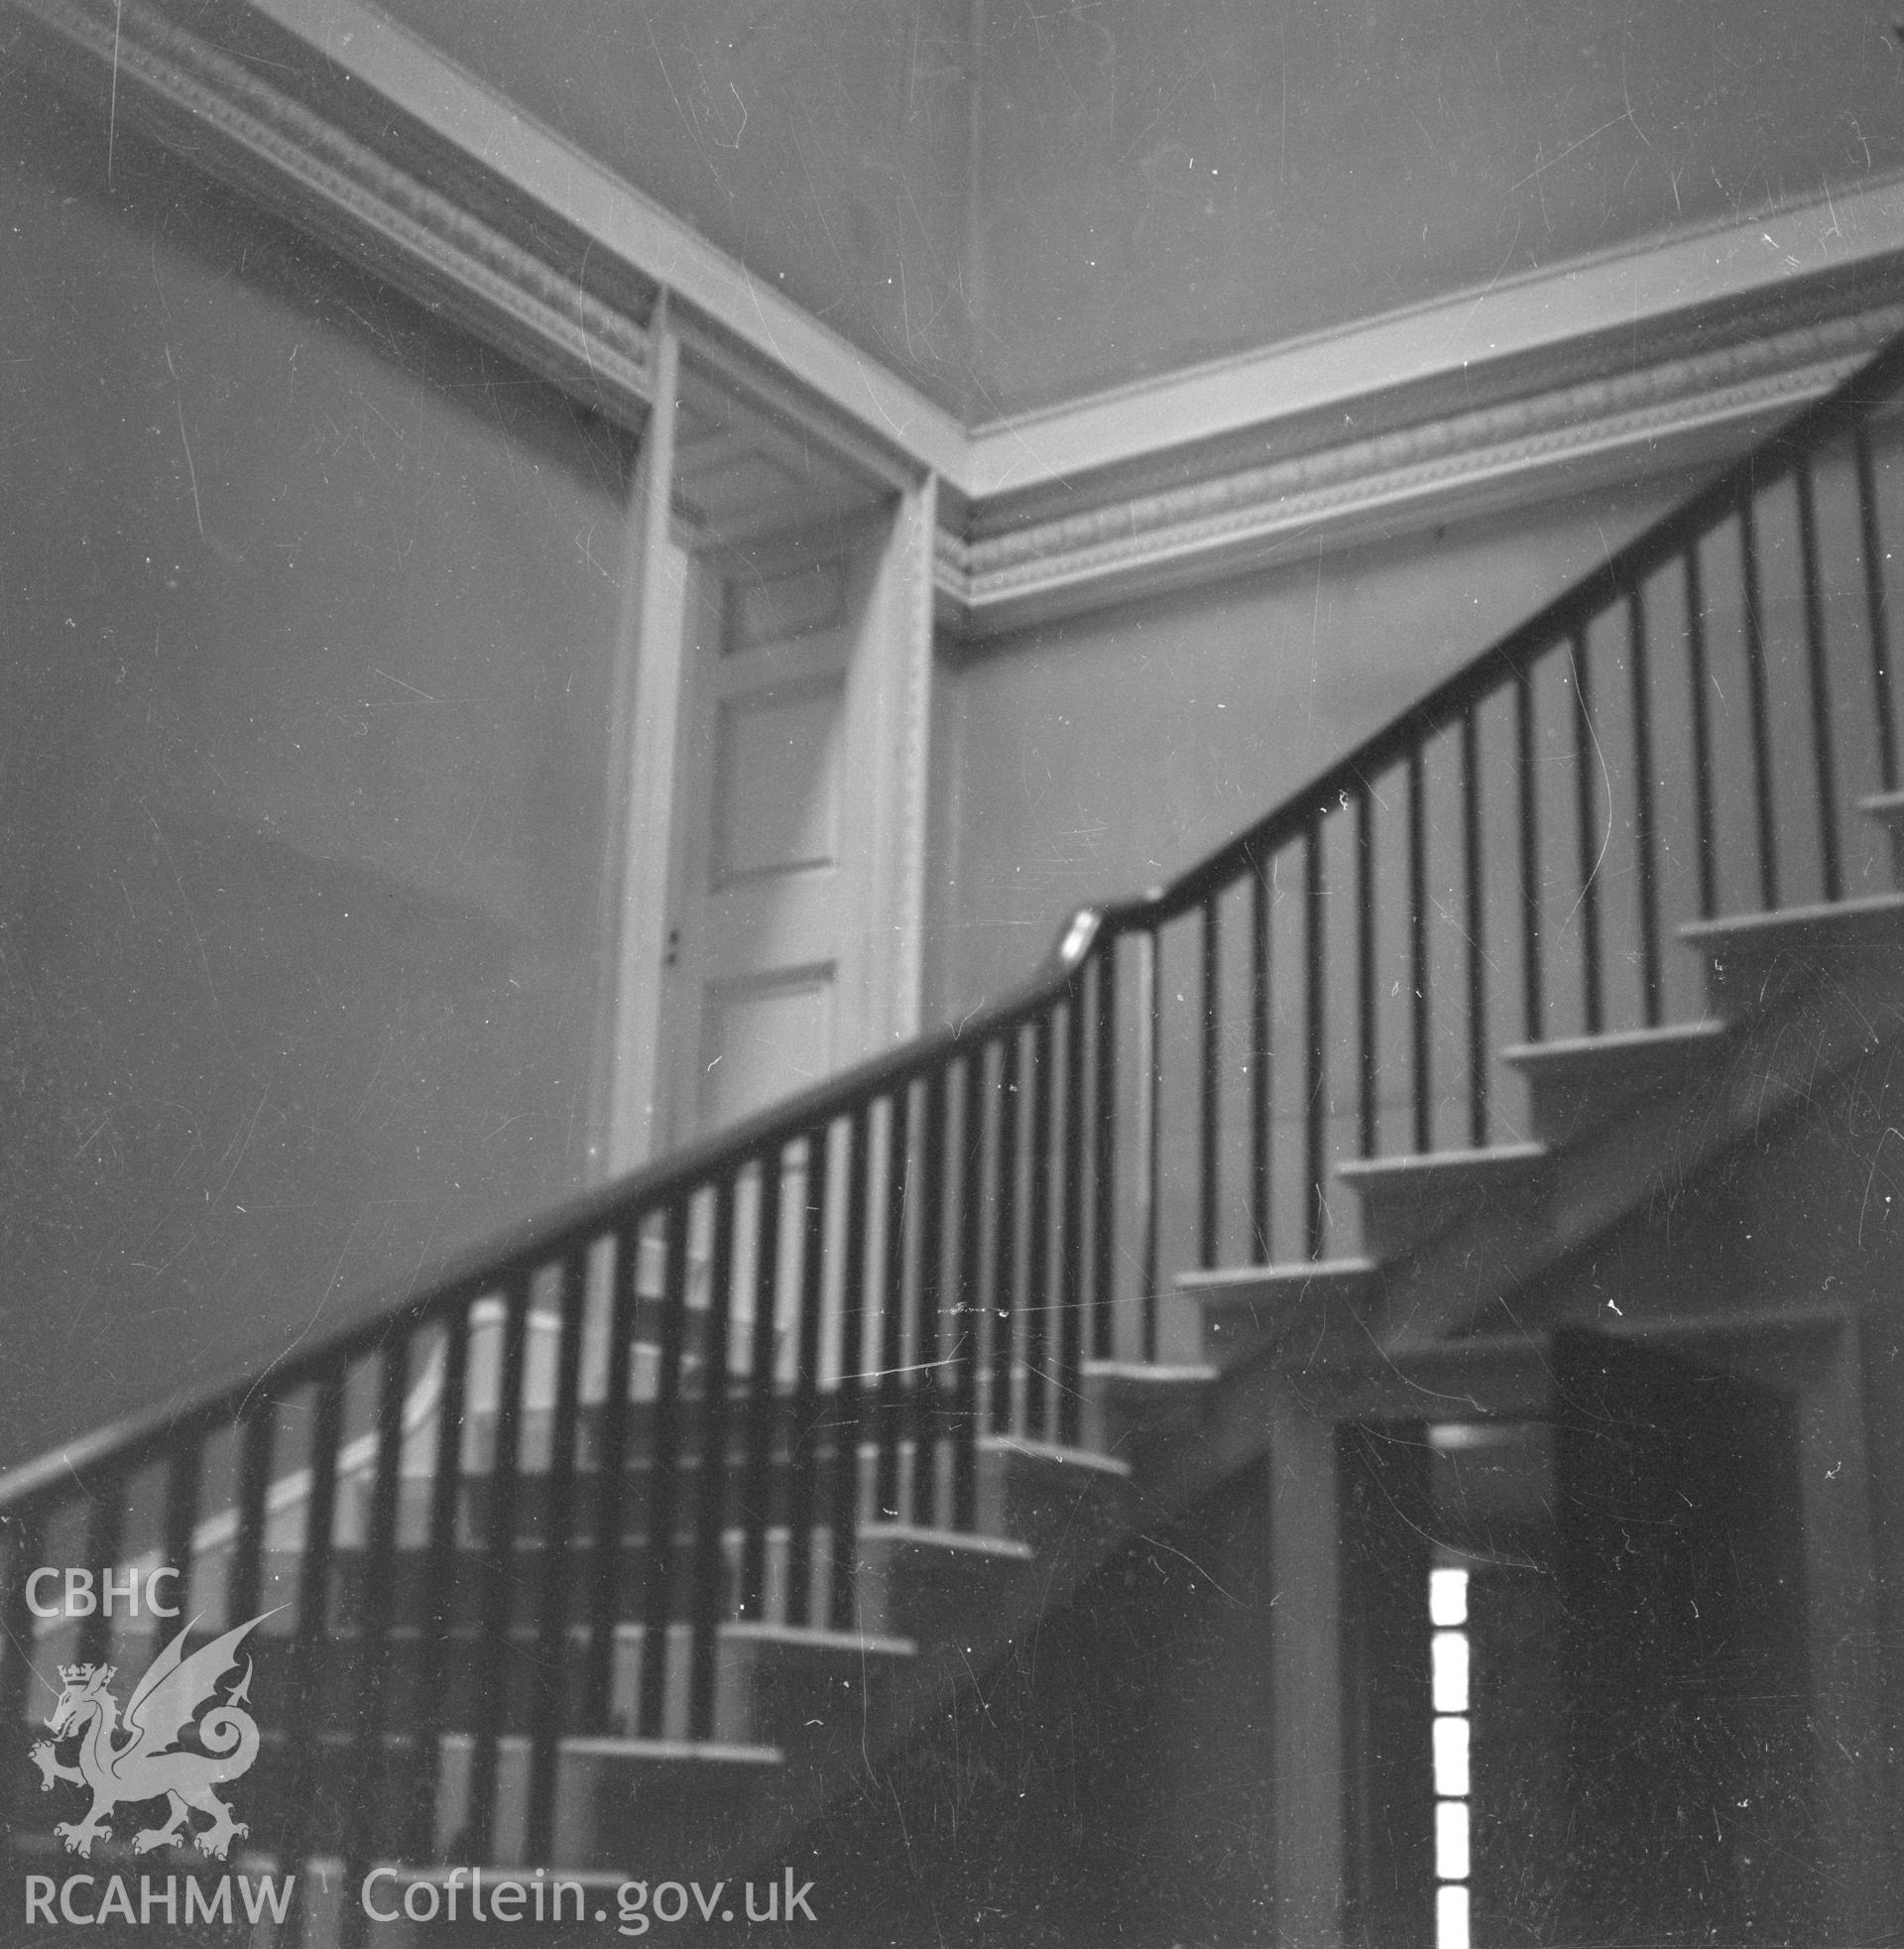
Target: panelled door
{"x":766,"y":924}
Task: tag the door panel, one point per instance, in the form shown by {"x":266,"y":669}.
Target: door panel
{"x":766,"y":914}
{"x":763,"y":1040}
{"x":778,"y":764}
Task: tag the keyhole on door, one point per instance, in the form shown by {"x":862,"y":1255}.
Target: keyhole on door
{"x":673,"y":952}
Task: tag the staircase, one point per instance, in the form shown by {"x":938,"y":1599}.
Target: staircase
{"x":650,"y":1537}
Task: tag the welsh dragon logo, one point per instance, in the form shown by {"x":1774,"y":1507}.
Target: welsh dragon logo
{"x":140,"y":1759}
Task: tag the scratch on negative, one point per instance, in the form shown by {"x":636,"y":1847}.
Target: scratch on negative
{"x":191,"y":472}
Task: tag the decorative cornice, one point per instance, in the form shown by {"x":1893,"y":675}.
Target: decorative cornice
{"x":1478,"y":400}
{"x":325,"y":177}
{"x":1228,"y":517}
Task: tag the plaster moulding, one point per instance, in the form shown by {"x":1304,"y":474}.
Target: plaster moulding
{"x":1475,"y":402}
{"x":269,"y":145}
{"x":1225,"y":518}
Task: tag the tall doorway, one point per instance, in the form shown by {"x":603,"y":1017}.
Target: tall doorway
{"x":1577,"y":1691}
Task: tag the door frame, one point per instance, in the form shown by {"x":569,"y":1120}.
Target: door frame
{"x":1814,"y":1355}
{"x":654,"y":673}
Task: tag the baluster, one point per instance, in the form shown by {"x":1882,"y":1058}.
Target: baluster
{"x":304,"y":1774}
{"x":1646,"y":841}
{"x":1103,"y":1154}
{"x":26,"y":1553}
{"x":610,"y":1479}
{"x":1366,"y":1128}
{"x":549,"y":1683}
{"x":1208,"y":1099}
{"x":1004,"y":1237}
{"x":1316,"y":1079}
{"x":927,"y":1413}
{"x":1532,"y":999}
{"x":244,"y":1594}
{"x":763,"y":1395}
{"x":848,"y":1411}
{"x":664,"y":1478}
{"x":437,"y":1598}
{"x":1760,"y":715}
{"x":708,"y":1571}
{"x":1149,"y":1113}
{"x":1261,"y":1219}
{"x":1478,"y":1050}
{"x":1823,"y":761}
{"x":105,"y":1523}
{"x":1070,"y":1321}
{"x":886,"y":1488}
{"x":1701,"y":738}
{"x":1037,"y":1256}
{"x":1586,"y":823}
{"x":185,"y":1470}
{"x":499,"y":1576}
{"x":802,"y":1484}
{"x":1419,"y":1037}
{"x":368,"y":1807}
{"x":1872,"y":548}
{"x":965,"y":1407}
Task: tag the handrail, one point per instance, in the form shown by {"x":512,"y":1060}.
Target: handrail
{"x":494,"y":1259}
{"x":693,"y":1386}
{"x":1649,"y":551}
{"x":483,"y":1266}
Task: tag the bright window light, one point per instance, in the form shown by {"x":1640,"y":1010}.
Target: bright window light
{"x":1451,"y":1758}
{"x":1450,"y":1653}
{"x":1450,"y":1839}
{"x":1450,"y":1917}
{"x":1448,"y":1597}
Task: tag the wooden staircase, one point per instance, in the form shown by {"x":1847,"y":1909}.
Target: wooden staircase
{"x":1617,"y":1119}
{"x":1622,"y":1120}
{"x":644,"y":1541}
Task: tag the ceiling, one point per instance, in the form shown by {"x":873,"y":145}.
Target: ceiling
{"x":1015,"y":202}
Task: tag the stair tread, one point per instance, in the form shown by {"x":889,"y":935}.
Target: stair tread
{"x":1181,"y":1373}
{"x":1502,"y":1159}
{"x":1562,"y":1050}
{"x":959,"y":1539}
{"x":608,"y":1746}
{"x":1052,"y":1451}
{"x":799,"y":1637}
{"x":1870,"y":915}
{"x":1227,"y":1282}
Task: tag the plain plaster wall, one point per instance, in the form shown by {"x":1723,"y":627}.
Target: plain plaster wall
{"x":306,"y":610}
{"x":1090,"y":759}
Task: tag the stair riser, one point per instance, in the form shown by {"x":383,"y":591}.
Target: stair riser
{"x":809,"y":1698}
{"x":1152,"y":1418}
{"x":1047,"y":1501}
{"x":1753,"y":966}
{"x":1404,"y":1203}
{"x":937,"y":1595}
{"x":1571,"y":1101}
